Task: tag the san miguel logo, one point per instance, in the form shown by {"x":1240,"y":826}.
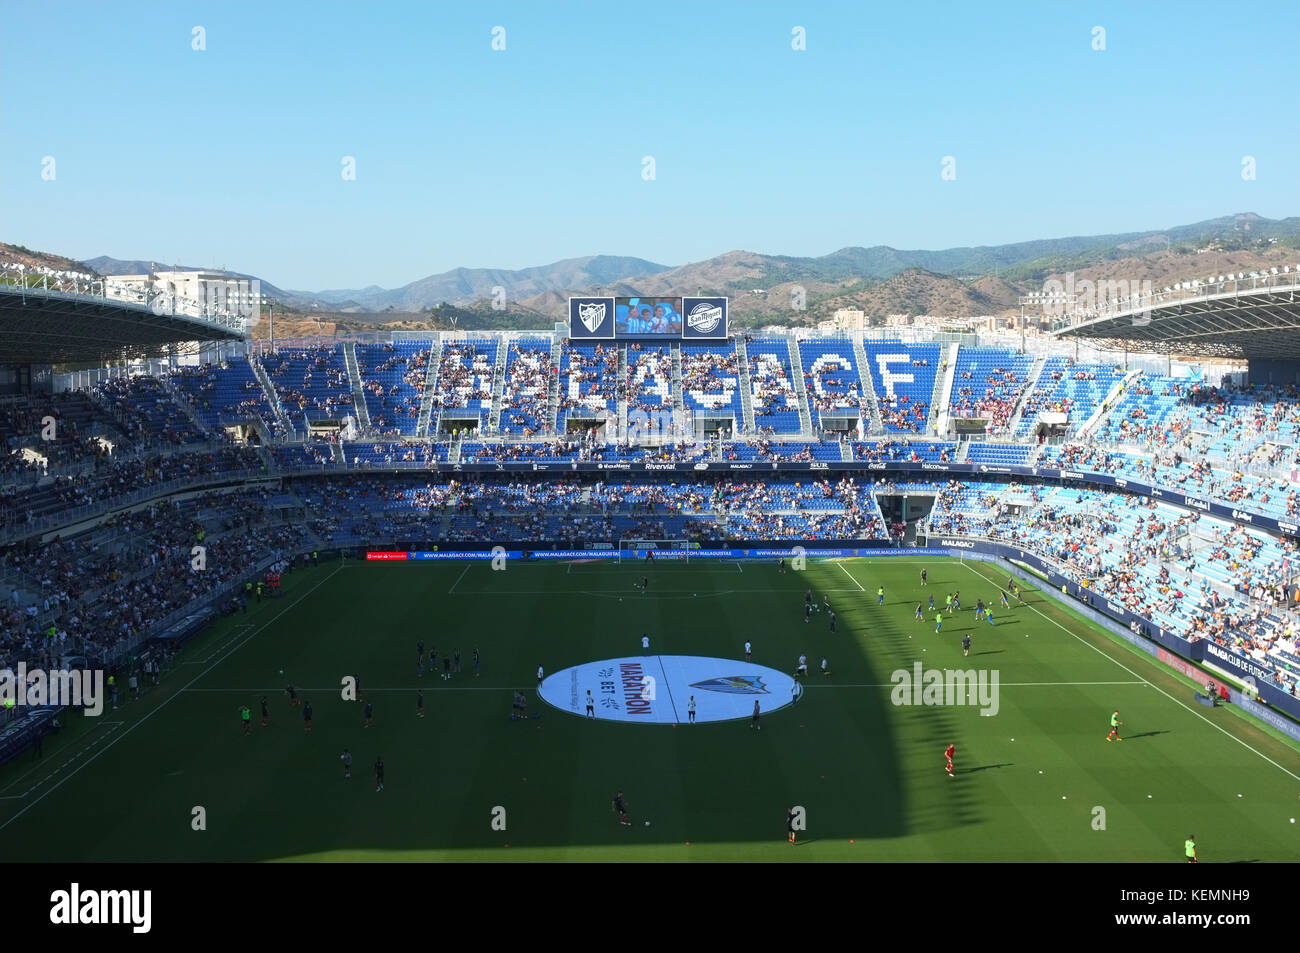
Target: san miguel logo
{"x":591,"y":315}
{"x":734,"y":685}
{"x":704,"y":318}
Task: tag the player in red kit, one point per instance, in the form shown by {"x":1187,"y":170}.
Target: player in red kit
{"x":948,"y":755}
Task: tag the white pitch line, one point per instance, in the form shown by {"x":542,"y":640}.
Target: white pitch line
{"x":1156,"y":687}
{"x":214,"y":651}
{"x":489,"y":688}
{"x":459,"y":578}
{"x":850,"y":575}
{"x":1000,"y":684}
{"x":335,"y":688}
{"x":166,"y":702}
{"x":82,"y":749}
{"x":676,"y":593}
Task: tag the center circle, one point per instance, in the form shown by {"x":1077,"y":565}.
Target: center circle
{"x":657,"y":689}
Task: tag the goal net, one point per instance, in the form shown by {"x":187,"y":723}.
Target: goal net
{"x":646,"y":550}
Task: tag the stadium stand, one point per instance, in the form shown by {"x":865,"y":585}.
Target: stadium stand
{"x":1066,"y":387}
{"x":146,"y":413}
{"x":711,"y":381}
{"x":311,"y":384}
{"x":988,"y":384}
{"x":227,"y":392}
{"x":465,"y":379}
{"x":528,"y":377}
{"x":832,"y":380}
{"x":1194,"y":574}
{"x":649,"y":387}
{"x":916,"y":451}
{"x":392,"y":379}
{"x":589,"y":386}
{"x":903,"y":377}
{"x":771,"y":382}
{"x":1000,"y":453}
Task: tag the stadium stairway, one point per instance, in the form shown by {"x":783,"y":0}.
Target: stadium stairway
{"x":942,"y":394}
{"x":498,"y":384}
{"x":620,"y":405}
{"x":553,"y":388}
{"x":846,"y":451}
{"x":263,"y":431}
{"x":183,"y":402}
{"x":875,"y":508}
{"x":875,"y":424}
{"x":746,"y":394}
{"x":272,"y":395}
{"x":1116,"y":394}
{"x":358,"y":386}
{"x":430,"y":386}
{"x":336,"y":450}
{"x":800,"y":387}
{"x":1030,"y":383}
{"x":453,"y":449}
{"x":116,"y":414}
{"x":679,"y":396}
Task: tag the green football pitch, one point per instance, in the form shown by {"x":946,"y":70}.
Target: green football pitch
{"x":1037,"y":781}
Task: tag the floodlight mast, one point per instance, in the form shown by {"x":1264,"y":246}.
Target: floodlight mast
{"x":1039,"y":299}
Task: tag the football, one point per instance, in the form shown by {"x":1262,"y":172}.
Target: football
{"x":647,"y":823}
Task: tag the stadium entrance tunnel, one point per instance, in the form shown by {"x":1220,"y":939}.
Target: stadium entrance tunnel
{"x":657,"y":689}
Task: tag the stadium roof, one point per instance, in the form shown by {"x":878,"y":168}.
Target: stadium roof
{"x":54,"y":327}
{"x":1241,"y":318}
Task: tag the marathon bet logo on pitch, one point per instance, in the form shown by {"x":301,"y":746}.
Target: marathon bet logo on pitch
{"x":934,"y":686}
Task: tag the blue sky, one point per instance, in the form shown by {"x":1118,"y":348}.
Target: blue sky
{"x":231,"y":156}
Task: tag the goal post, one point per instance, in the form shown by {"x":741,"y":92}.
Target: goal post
{"x":647,"y":550}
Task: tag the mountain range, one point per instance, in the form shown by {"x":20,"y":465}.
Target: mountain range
{"x":879,"y":280}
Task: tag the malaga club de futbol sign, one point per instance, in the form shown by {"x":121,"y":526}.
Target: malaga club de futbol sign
{"x":658,"y":688}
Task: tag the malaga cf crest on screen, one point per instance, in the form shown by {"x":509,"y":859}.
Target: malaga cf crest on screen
{"x":591,"y":317}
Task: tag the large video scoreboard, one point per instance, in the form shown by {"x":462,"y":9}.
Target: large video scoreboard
{"x":649,"y":316}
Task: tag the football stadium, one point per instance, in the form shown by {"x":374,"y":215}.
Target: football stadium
{"x":844,"y":554}
{"x":986,"y":554}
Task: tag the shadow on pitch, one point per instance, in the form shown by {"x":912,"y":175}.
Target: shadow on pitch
{"x":1148,"y":734}
{"x":985,"y":767}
